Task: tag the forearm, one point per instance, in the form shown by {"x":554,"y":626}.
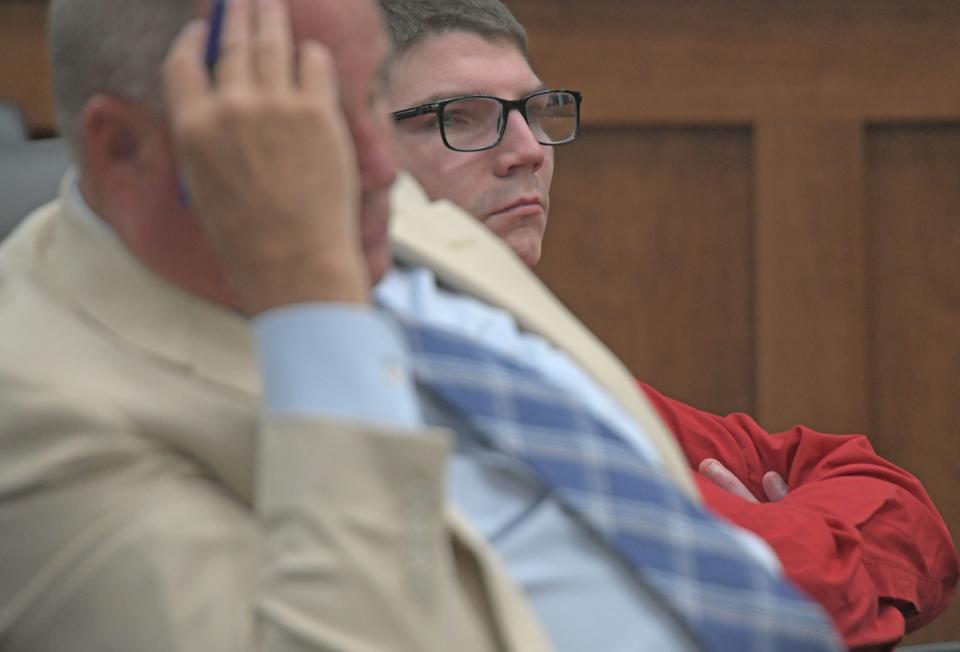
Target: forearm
{"x":874,"y":582}
{"x":858,"y":533}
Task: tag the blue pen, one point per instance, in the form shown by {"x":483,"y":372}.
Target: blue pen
{"x":217,"y":13}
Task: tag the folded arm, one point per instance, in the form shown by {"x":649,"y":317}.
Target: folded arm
{"x":856,"y":532}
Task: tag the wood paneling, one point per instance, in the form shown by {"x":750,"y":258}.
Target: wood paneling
{"x":849,"y":317}
{"x":913,"y":196}
{"x":811,"y":323}
{"x":696,"y":61}
{"x":641,"y":210}
{"x":24,"y":67}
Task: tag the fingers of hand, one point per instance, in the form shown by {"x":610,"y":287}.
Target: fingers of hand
{"x":233,"y":61}
{"x":252,"y":122}
{"x":723,"y":478}
{"x":253,"y":76}
{"x":256,"y":46}
{"x":318,"y":75}
{"x":273,"y":45}
{"x":774,"y":486}
{"x":184,"y":77}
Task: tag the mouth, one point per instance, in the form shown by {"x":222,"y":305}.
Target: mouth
{"x":527,"y":204}
{"x":524,"y":218}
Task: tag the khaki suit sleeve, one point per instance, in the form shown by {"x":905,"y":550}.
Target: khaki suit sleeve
{"x":109,"y":541}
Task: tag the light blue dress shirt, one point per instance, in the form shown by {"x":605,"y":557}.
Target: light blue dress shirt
{"x":315,"y":357}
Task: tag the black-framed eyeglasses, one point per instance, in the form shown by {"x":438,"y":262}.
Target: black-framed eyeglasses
{"x":473,"y":123}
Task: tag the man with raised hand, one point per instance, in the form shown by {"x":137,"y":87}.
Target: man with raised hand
{"x":475,"y":125}
{"x":149,"y":500}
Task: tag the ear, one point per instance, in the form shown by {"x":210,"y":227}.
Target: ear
{"x":114,"y":137}
{"x":126,"y":159}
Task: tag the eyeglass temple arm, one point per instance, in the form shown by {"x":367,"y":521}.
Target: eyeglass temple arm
{"x":416,"y":111}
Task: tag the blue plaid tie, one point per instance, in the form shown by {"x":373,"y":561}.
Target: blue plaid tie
{"x":693,"y":563}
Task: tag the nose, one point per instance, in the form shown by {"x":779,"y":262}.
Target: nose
{"x":375,"y":153}
{"x":519,"y":147}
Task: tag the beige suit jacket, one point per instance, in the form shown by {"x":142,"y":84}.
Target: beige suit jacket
{"x":147,"y":505}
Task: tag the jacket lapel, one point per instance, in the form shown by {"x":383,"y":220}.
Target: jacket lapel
{"x":467,"y":257}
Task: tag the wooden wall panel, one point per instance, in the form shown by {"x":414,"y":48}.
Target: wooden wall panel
{"x":650,"y":243}
{"x":810,"y":293}
{"x":913,"y":195}
{"x":701,"y":61}
{"x":24,"y":68}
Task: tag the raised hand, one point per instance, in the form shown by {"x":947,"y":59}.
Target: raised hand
{"x":268,"y":159}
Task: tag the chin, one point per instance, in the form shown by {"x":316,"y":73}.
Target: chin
{"x":527,"y":247}
{"x":530,"y":257}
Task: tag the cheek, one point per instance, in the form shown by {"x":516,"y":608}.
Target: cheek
{"x":407,"y":158}
{"x":462,"y":181}
{"x":415,"y":157}
{"x":440,"y":175}
{"x":461,"y":177}
{"x":546,"y":170}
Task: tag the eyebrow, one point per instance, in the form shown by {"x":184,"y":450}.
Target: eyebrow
{"x":439,"y":97}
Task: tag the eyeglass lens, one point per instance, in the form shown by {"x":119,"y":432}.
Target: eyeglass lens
{"x":552,"y":117}
{"x":474,"y":123}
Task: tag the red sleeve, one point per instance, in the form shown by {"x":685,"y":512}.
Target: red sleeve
{"x":857,"y":533}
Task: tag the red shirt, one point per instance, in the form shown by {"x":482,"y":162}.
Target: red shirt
{"x":857,"y":533}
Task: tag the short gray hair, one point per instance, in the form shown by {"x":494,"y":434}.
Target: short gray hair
{"x":411,"y":21}
{"x":112,"y":47}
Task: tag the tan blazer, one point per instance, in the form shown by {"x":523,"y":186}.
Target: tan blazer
{"x":147,"y":505}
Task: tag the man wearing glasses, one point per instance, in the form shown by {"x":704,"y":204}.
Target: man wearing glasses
{"x":483,"y":161}
{"x":516,"y":210}
{"x":475,"y":125}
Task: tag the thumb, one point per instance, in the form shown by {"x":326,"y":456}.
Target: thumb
{"x":774,"y":486}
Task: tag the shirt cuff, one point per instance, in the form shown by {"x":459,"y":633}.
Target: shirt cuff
{"x":336,"y":360}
